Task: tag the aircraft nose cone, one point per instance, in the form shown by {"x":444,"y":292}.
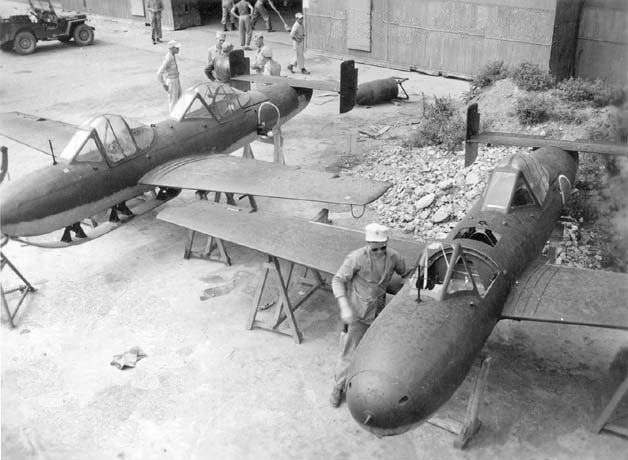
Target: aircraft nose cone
{"x":379,"y":403}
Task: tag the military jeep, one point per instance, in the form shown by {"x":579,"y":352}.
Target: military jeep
{"x":21,"y":32}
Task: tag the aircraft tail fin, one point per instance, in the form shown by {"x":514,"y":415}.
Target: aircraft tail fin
{"x":348,"y":85}
{"x":473,"y":138}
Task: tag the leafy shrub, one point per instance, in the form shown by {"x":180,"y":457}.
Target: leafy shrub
{"x":532,"y":109}
{"x":442,"y":124}
{"x":613,"y":128}
{"x":530,"y":77}
{"x":599,"y":93}
{"x":565,"y":115}
{"x":489,"y":74}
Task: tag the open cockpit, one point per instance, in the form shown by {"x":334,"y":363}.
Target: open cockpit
{"x":446,"y":269}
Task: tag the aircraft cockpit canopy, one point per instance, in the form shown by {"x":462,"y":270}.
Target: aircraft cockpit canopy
{"x":446,"y":269}
{"x":110,"y":135}
{"x":209,"y":100}
{"x":518,"y":181}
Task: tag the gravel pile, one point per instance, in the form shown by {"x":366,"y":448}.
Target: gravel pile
{"x":433,"y":191}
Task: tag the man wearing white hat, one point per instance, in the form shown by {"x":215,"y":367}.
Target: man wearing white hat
{"x":360,"y":289}
{"x":168,"y":74}
{"x":298,"y":43}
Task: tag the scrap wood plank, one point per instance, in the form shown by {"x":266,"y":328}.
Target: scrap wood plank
{"x":315,"y":245}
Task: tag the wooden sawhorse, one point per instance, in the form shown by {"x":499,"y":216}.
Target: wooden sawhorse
{"x":285,"y":307}
{"x":24,"y":289}
{"x":619,"y":381}
{"x":471,"y":425}
{"x":211,"y":245}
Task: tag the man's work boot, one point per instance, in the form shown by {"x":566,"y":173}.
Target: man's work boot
{"x":304,"y":72}
{"x":337,"y":396}
{"x":290,"y":68}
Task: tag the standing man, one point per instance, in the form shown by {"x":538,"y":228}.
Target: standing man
{"x":155,"y":7}
{"x":271,"y":67}
{"x":360,"y":289}
{"x":242,"y":11}
{"x":213,"y":52}
{"x":258,"y":61}
{"x":219,"y":69}
{"x":298,"y":43}
{"x":260,"y":10}
{"x":168,"y":74}
{"x":227,"y":17}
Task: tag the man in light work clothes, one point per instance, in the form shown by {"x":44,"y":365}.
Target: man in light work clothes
{"x":360,"y":289}
{"x":242,"y":11}
{"x":213,"y":52}
{"x":258,"y":60}
{"x":168,"y":74}
{"x":227,"y":17}
{"x":154,"y":8}
{"x":298,"y":43}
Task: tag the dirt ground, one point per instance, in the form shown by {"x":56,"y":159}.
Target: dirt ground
{"x":209,"y":388}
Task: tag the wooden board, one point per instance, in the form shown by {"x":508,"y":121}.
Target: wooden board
{"x":231,"y":174}
{"x":35,"y":131}
{"x":319,"y":246}
{"x":551,"y":293}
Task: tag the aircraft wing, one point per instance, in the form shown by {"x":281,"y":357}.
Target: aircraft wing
{"x":557,"y":294}
{"x":35,"y":131}
{"x":311,"y":244}
{"x":232,"y":174}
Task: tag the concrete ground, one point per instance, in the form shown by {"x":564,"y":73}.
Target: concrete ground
{"x":209,"y":389}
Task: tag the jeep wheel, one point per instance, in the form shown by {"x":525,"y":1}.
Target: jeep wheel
{"x":24,"y":42}
{"x":83,"y":35}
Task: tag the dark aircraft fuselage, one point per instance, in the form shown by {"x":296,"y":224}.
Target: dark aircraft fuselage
{"x":417,"y":353}
{"x":59,"y":195}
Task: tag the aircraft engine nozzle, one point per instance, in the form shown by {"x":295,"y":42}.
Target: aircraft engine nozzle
{"x":380,"y":403}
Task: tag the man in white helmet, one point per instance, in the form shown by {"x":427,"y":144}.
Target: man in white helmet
{"x":271,"y":67}
{"x":360,"y":289}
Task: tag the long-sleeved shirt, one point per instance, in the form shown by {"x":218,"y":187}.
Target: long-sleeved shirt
{"x":363,"y":283}
{"x":168,"y":68}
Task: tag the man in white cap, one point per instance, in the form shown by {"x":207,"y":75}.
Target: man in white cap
{"x":298,"y":43}
{"x":271,"y":67}
{"x":168,"y":74}
{"x":360,"y":289}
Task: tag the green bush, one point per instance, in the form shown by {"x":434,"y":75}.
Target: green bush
{"x":532,"y":109}
{"x":599,"y":93}
{"x":530,"y":77}
{"x":442,"y":124}
{"x":489,"y":74}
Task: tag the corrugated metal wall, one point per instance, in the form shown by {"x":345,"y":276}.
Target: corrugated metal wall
{"x":602,"y":46}
{"x":439,"y":36}
{"x":459,"y":37}
{"x":177,"y":14}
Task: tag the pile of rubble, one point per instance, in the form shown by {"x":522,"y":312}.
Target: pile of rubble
{"x":433,"y":191}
